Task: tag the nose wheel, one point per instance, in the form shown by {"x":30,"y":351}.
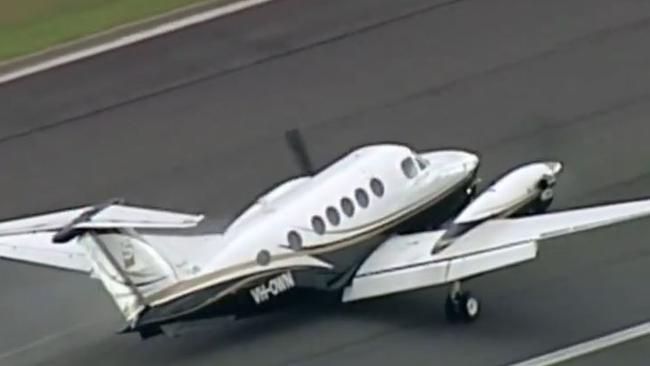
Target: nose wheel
{"x":461,"y":305}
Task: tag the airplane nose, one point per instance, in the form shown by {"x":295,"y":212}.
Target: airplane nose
{"x":469,"y":161}
{"x":555,"y":166}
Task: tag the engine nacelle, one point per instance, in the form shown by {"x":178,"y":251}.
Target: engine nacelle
{"x":525,"y":190}
{"x":513,"y":192}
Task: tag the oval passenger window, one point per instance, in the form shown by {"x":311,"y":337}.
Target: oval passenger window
{"x":347,"y":206}
{"x":362,"y":197}
{"x":318,"y":225}
{"x":333,"y":216}
{"x":377,"y":187}
{"x":294,"y":239}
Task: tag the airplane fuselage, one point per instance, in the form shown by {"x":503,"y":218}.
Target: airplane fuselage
{"x":311,"y":233}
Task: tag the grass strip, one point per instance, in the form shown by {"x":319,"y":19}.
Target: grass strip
{"x":28,"y":26}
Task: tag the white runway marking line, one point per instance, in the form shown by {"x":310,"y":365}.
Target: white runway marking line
{"x":587,"y":347}
{"x":46,"y":339}
{"x":132,"y":38}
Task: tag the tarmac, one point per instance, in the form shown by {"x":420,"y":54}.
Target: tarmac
{"x":195,"y":121}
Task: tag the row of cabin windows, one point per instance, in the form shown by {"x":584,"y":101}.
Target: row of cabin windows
{"x":332,"y":213}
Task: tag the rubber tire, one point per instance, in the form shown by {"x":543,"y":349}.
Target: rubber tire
{"x":469,"y":307}
{"x":546,"y":195}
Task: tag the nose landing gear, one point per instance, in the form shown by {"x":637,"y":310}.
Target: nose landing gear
{"x":472,"y":190}
{"x":461,"y":305}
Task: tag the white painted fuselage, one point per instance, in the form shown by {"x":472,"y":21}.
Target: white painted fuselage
{"x":296,"y":204}
{"x":297,"y":224}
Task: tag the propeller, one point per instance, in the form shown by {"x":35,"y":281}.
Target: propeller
{"x":297,"y":146}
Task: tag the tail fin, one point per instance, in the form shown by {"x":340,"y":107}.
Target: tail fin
{"x":101,"y":239}
{"x":128,"y":266}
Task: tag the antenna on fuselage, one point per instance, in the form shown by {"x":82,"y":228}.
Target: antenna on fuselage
{"x":299,"y":150}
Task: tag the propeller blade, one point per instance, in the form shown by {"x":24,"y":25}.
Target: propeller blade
{"x":298,"y":149}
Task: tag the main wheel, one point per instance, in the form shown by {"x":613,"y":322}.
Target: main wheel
{"x":462,"y":307}
{"x":469,"y":307}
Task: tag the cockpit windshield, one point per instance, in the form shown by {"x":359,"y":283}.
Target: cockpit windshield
{"x":422,"y":162}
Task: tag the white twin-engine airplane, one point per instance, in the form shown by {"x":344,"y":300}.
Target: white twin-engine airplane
{"x":383,"y":219}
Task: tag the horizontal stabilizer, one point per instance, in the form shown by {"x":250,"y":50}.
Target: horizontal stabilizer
{"x":110,"y":217}
{"x":38,"y":249}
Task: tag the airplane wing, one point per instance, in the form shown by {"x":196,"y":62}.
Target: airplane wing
{"x":551,"y":225}
{"x":405,"y":262}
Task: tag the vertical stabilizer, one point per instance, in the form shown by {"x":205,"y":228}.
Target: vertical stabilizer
{"x":102,"y":239}
{"x":129,"y":268}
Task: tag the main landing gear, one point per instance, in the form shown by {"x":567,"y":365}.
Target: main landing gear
{"x":461,"y":305}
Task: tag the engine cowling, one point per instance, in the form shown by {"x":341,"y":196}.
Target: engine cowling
{"x":513,"y":192}
{"x":524,"y":190}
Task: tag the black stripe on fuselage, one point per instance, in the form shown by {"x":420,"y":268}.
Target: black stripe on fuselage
{"x":237,"y":297}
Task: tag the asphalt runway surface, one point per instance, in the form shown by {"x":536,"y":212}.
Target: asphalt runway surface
{"x":194,"y":121}
{"x":633,"y":353}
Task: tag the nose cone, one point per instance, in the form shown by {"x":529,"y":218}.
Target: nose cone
{"x":469,"y":161}
{"x":555,"y":167}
